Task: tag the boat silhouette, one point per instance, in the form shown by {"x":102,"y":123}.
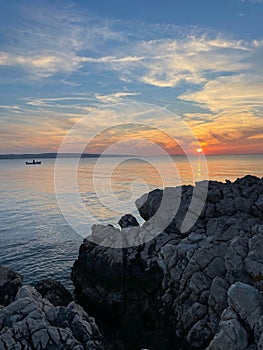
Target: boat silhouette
{"x":33,"y":162}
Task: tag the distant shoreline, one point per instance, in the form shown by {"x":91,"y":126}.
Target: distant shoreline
{"x":55,"y":155}
{"x":97,"y":155}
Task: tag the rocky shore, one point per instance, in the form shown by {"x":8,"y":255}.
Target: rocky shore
{"x":32,"y":321}
{"x":201,"y":289}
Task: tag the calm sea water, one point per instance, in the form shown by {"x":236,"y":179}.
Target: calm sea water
{"x":35,"y":238}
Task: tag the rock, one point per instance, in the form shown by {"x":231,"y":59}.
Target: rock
{"x":218,"y":295}
{"x":231,"y":334}
{"x":197,"y":289}
{"x":10,"y":282}
{"x":253,"y":263}
{"x":199,"y":334}
{"x":54,"y":292}
{"x":247,"y":302}
{"x":127,"y":221}
{"x":120,"y":286}
{"x":163,"y":204}
{"x":148,"y":204}
{"x":247,"y":181}
{"x":241,"y":325}
{"x":32,"y":322}
{"x":259,"y":203}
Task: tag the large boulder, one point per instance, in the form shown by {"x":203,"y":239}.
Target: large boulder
{"x":177,"y":289}
{"x":10,"y":282}
{"x":33,"y":323}
{"x":128,"y":220}
{"x":57,"y":294}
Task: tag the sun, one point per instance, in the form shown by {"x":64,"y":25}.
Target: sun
{"x":199,"y":150}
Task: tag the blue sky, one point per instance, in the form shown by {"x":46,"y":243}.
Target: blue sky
{"x":62,"y":60}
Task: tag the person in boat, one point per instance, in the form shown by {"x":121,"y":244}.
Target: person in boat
{"x":34,"y":162}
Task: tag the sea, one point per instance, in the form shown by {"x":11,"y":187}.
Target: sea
{"x":38,"y":241}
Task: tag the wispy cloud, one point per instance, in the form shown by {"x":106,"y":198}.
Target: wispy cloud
{"x":111,"y":59}
{"x":49,"y":39}
{"x":253,"y":1}
{"x":14,"y":108}
{"x":115,"y":97}
{"x":237,"y":93}
{"x":78,"y":103}
{"x":39,"y":66}
{"x":167,"y":62}
{"x":61,"y":41}
{"x":64,"y":102}
{"x":192,"y":60}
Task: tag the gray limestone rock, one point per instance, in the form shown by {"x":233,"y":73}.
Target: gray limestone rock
{"x":231,"y":334}
{"x":247,"y":302}
{"x":32,"y":322}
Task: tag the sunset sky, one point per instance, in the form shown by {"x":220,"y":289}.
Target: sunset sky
{"x":61,"y":61}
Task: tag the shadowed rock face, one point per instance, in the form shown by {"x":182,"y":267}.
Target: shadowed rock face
{"x":188,"y":290}
{"x":54,"y":292}
{"x":10,"y":282}
{"x":123,"y":289}
{"x":128,"y":220}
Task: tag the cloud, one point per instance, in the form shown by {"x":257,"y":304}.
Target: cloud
{"x":115,"y":97}
{"x":253,"y":1}
{"x":110,"y":59}
{"x":167,"y":62}
{"x":80,"y":103}
{"x":229,"y":131}
{"x":237,"y":93}
{"x":65,"y":41}
{"x":48,"y":39}
{"x":40,"y":65}
{"x":62,"y":40}
{"x":198,"y":118}
{"x":13,"y":108}
{"x":74,"y":101}
{"x":235,"y":136}
{"x":43,"y":65}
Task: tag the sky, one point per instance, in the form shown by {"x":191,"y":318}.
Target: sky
{"x":193,"y":64}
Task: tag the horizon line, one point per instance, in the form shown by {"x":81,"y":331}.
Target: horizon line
{"x":55,"y":154}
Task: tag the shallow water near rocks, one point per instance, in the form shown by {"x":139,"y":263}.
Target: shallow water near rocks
{"x":37,"y":241}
